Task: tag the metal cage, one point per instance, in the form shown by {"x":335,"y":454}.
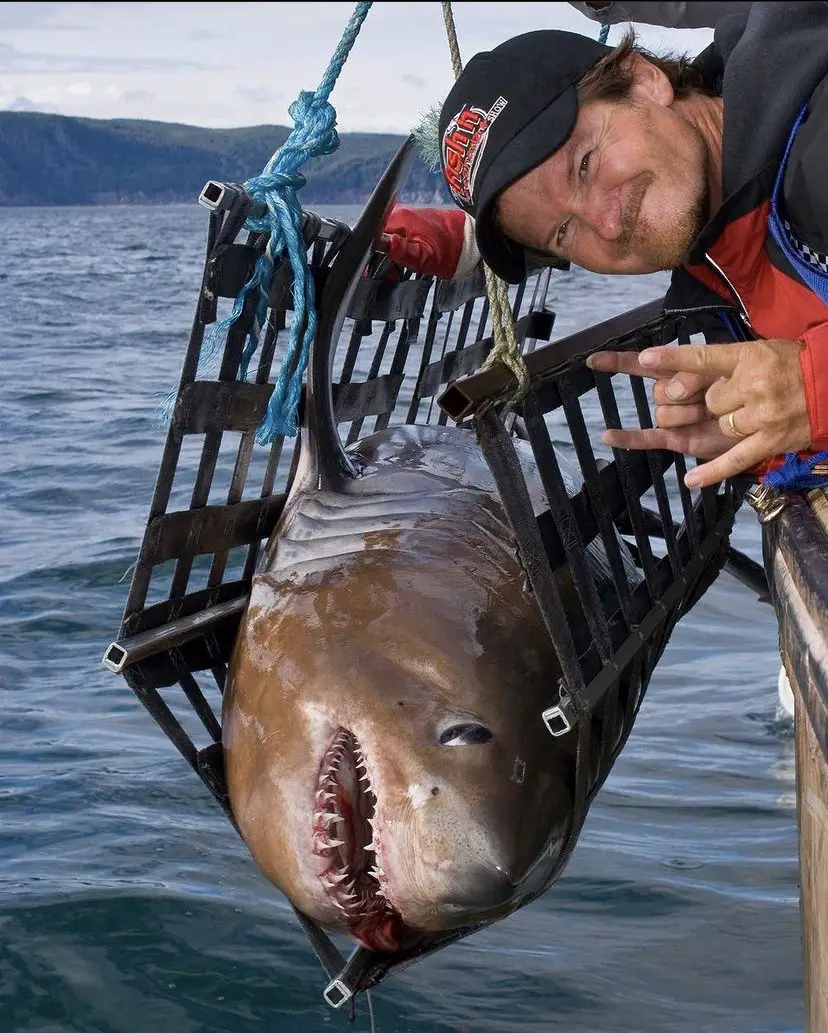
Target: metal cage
{"x":407,"y":354}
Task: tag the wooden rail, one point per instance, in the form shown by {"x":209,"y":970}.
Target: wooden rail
{"x":796,"y":560}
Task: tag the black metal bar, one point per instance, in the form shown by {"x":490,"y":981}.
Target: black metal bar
{"x":446,"y":331}
{"x":612,"y":419}
{"x":128,"y":651}
{"x":643,"y":409}
{"x":566,"y":525}
{"x":462,"y":398}
{"x":354,"y":343}
{"x":169,"y":724}
{"x":139,"y":586}
{"x":373,"y":373}
{"x":592,"y":482}
{"x":428,"y":344}
{"x":500,"y":455}
{"x":369,"y":398}
{"x":690,"y":520}
{"x":459,"y":346}
{"x":236,"y":339}
{"x":657,"y":614}
{"x":208,"y":529}
{"x":193,"y":692}
{"x":538,"y":302}
{"x":408,"y":335}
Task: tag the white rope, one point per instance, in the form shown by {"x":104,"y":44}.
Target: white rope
{"x":506,"y":349}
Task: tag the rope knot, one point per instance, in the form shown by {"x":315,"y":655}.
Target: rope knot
{"x":314,"y":134}
{"x":275,"y":180}
{"x":315,"y":120}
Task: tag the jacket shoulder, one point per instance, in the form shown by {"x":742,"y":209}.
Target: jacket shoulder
{"x":804,"y":193}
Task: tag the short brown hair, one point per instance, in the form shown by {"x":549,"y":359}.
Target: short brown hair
{"x":612,"y":76}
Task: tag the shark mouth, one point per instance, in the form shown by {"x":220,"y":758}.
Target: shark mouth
{"x":343,"y":835}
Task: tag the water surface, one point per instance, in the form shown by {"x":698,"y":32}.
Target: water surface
{"x":127,"y":902}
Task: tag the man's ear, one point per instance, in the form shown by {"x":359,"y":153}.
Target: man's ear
{"x":649,"y":82}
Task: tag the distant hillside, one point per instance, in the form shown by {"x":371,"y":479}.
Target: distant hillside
{"x":53,"y":159}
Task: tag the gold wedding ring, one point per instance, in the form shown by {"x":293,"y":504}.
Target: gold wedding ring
{"x":736,"y":433}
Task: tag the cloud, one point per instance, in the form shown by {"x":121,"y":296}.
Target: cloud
{"x":137,"y":97}
{"x":257,"y":94}
{"x":22,"y":104}
{"x":416,"y":81}
{"x":35,"y":16}
{"x":15,"y":61}
{"x":79,"y":89}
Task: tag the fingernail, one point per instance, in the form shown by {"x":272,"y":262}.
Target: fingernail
{"x":648,"y":358}
{"x":675,"y":390}
{"x":692,"y":479}
{"x":591,"y":362}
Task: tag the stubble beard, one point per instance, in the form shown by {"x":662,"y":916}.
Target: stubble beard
{"x":666,"y":245}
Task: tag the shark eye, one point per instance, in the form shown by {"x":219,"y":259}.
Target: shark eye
{"x":467,"y":734}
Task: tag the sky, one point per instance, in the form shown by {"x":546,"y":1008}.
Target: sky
{"x":241,"y":64}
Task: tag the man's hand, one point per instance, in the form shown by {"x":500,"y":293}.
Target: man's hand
{"x":737,"y":403}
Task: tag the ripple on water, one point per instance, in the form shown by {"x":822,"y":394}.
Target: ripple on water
{"x":127,"y":901}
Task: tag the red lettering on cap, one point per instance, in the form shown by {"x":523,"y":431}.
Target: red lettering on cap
{"x":463,"y":144}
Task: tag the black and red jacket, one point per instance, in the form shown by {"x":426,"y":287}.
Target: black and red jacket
{"x":771,"y":66}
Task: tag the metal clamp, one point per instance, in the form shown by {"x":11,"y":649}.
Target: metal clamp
{"x":220,"y":197}
{"x":557,"y":719}
{"x":767,"y":502}
{"x":217,"y":197}
{"x":337,"y":993}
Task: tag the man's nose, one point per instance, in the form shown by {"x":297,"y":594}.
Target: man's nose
{"x":602,"y":213}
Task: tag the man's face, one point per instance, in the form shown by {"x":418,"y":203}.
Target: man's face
{"x":627,"y":193}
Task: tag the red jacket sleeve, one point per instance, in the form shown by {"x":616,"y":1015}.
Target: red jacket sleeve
{"x":813,"y":361}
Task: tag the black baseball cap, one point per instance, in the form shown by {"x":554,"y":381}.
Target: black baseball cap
{"x":510,"y":109}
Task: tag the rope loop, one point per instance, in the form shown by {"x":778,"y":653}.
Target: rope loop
{"x":276,"y":187}
{"x":506,"y":349}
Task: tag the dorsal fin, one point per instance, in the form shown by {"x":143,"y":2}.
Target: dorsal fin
{"x":322,"y":449}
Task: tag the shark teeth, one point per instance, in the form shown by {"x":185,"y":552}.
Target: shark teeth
{"x":326,"y":817}
{"x":334,"y":878}
{"x":345,"y":833}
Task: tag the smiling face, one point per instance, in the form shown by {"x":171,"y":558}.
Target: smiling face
{"x":629,"y":190}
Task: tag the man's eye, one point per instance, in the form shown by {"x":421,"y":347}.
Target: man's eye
{"x":584,"y":164}
{"x":561,"y":234}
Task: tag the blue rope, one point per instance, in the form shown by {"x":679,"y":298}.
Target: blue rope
{"x":796,"y":473}
{"x":602,"y":35}
{"x":314,"y":134}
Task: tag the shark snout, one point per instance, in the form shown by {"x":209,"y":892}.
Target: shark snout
{"x":481,"y":887}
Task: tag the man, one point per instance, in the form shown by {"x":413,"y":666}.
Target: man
{"x":623,"y":163}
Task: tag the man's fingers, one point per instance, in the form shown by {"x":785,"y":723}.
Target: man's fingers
{"x":744,"y":454}
{"x":674,"y":441}
{"x":679,"y":415}
{"x":709,"y":359}
{"x":723,"y":396}
{"x":734,"y":424}
{"x":682,"y":389}
{"x":617,"y":362}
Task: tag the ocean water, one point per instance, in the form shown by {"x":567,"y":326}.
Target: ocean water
{"x":127,"y":902}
